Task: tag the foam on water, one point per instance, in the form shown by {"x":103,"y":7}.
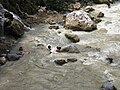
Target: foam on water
{"x":111,"y":15}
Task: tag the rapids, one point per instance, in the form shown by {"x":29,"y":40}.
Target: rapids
{"x":37,"y":70}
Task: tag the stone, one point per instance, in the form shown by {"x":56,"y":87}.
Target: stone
{"x":97,"y":20}
{"x":71,"y":60}
{"x":60,"y":61}
{"x":108,"y":86}
{"x":54,"y":27}
{"x":79,"y":20}
{"x":13,"y":57}
{"x":16,"y":28}
{"x":70,"y":49}
{"x":72,"y":37}
{"x":2,"y":60}
{"x":97,"y":13}
{"x":103,"y":2}
{"x":89,"y":9}
{"x":110,"y":60}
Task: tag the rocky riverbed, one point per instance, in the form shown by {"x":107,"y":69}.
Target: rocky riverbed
{"x":36,"y":70}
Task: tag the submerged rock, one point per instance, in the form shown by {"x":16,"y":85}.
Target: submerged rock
{"x":79,"y":20}
{"x":54,"y":27}
{"x":60,"y":61}
{"x":70,"y":49}
{"x":72,"y":37}
{"x":108,"y":86}
{"x":97,"y":13}
{"x":71,"y":60}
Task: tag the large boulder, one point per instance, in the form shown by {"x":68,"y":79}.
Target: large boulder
{"x":15,"y":28}
{"x":79,"y":20}
{"x":72,"y":37}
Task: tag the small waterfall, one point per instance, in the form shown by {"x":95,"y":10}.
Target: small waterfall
{"x":19,"y":19}
{"x":2,"y":19}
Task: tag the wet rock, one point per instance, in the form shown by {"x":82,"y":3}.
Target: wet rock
{"x":70,"y":49}
{"x":102,"y":31}
{"x":94,"y":18}
{"x":13,"y":57}
{"x":103,"y":2}
{"x":73,"y":37}
{"x":110,"y":60}
{"x":79,"y":20}
{"x":89,"y":9}
{"x":108,"y":86}
{"x":60,"y":61}
{"x":71,"y":60}
{"x":54,"y":27}
{"x":2,"y":60}
{"x":97,"y":13}
{"x":97,"y":20}
{"x":16,"y":28}
{"x":51,"y":22}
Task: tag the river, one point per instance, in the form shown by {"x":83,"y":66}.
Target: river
{"x":36,"y":70}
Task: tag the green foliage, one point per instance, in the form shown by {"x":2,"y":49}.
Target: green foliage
{"x":58,"y":5}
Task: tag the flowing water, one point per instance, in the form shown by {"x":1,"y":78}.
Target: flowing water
{"x":37,"y":70}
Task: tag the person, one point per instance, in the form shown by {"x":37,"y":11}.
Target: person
{"x":49,"y":47}
{"x":58,"y":49}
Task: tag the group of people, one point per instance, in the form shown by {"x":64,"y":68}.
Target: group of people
{"x":58,"y":49}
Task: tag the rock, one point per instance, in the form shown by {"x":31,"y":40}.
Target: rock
{"x":97,"y":20}
{"x":16,"y":28}
{"x":77,"y":6}
{"x":101,"y":31}
{"x":2,"y":60}
{"x":73,"y":37}
{"x":52,"y":22}
{"x":89,"y":9}
{"x":97,"y":13}
{"x":110,"y":60}
{"x":13,"y":57}
{"x":60,"y":61}
{"x":108,"y":86}
{"x":54,"y":27}
{"x":79,"y":20}
{"x":103,"y":2}
{"x":94,"y":18}
{"x":70,"y":49}
{"x":71,"y":60}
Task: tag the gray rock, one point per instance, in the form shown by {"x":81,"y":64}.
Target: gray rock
{"x":60,"y":61}
{"x":13,"y":57}
{"x":108,"y":86}
{"x":2,"y":60}
{"x":71,"y":60}
{"x":70,"y":49}
{"x":72,"y":37}
{"x":54,"y":27}
{"x":79,"y":20}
